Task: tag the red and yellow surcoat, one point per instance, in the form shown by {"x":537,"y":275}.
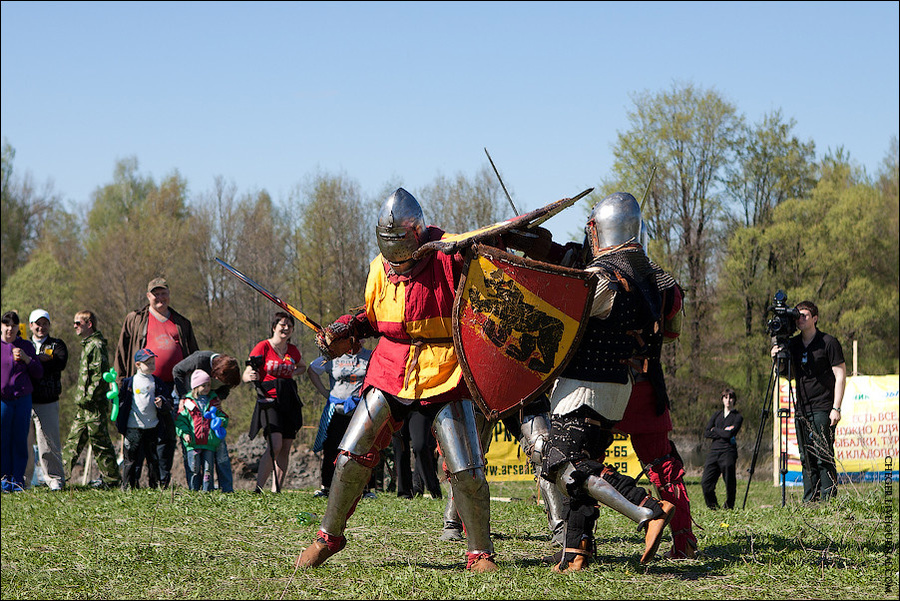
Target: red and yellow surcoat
{"x":415,"y":308}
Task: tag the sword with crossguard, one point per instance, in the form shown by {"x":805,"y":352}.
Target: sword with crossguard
{"x":299,"y":315}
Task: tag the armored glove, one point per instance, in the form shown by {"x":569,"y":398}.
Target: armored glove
{"x":535,"y":243}
{"x":335,"y":340}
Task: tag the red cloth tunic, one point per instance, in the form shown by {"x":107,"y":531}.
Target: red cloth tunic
{"x":415,"y":306}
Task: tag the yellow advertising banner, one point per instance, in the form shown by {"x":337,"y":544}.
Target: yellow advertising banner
{"x":868,"y":433}
{"x":506,"y":461}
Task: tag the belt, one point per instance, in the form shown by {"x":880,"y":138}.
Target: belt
{"x":417,"y":344}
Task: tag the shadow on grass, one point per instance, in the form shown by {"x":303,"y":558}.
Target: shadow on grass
{"x":458,"y":566}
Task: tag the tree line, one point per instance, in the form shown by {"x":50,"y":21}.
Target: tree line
{"x":735,"y":210}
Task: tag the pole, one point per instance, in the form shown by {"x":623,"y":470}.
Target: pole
{"x":87,"y":465}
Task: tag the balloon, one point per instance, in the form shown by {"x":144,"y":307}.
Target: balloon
{"x":217,"y":428}
{"x":215,"y":423}
{"x":113,"y":394}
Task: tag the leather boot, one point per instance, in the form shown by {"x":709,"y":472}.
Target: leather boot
{"x":322,"y":548}
{"x":481,"y":563}
{"x":655,"y":529}
{"x":583,"y":554}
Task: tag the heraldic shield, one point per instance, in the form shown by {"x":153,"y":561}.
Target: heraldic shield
{"x":516,"y":323}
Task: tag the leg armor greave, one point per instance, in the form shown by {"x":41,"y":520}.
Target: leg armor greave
{"x":350,"y":480}
{"x":535,"y":438}
{"x":353,"y":470}
{"x":451,"y":515}
{"x":604,"y":492}
{"x":485,"y":428}
{"x":366,"y":423}
{"x":458,"y":436}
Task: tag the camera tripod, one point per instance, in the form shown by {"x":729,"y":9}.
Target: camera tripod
{"x":781,"y":364}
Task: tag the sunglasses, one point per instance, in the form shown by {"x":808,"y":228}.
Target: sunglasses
{"x":78,"y":323}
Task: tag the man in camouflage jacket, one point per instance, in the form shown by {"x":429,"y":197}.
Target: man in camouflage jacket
{"x":90,"y":424}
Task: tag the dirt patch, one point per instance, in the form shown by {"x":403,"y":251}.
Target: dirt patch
{"x":304,"y":469}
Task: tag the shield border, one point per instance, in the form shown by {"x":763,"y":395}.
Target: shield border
{"x":496,"y":254}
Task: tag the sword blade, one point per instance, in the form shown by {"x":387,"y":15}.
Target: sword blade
{"x":300,"y":316}
{"x":502,"y":185}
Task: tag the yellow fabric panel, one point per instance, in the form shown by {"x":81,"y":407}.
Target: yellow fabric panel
{"x":437,"y":372}
{"x":389,"y":299}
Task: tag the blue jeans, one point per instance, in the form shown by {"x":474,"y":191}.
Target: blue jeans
{"x":15,"y":421}
{"x":202,"y":463}
{"x":224,"y":473}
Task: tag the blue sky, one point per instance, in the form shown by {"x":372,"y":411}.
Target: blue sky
{"x":267,"y":94}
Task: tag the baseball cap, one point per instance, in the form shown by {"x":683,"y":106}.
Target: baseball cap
{"x":199,"y":378}
{"x":37,"y":314}
{"x":143,"y":354}
{"x":157,"y":283}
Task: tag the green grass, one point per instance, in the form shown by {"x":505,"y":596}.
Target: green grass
{"x":178,"y":544}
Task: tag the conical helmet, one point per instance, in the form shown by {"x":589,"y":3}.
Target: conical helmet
{"x":401,"y":227}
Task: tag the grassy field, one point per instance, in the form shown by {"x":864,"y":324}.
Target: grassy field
{"x":178,"y":544}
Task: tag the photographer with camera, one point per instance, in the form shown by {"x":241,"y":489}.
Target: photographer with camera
{"x":820,"y":375}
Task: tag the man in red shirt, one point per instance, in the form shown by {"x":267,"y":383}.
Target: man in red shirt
{"x":170,"y":336}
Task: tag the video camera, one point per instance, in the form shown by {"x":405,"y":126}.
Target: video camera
{"x":255,"y":361}
{"x":784,"y":319}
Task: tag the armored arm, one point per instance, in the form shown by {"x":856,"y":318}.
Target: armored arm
{"x":338,"y":338}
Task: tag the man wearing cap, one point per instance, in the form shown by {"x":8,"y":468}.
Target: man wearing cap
{"x":170,"y":336}
{"x":53,"y":355}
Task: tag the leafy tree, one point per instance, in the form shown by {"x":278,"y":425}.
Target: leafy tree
{"x":333,"y":244}
{"x":262,"y":232}
{"x":837,"y":247}
{"x":24,"y":209}
{"x":43,"y":282}
{"x":136,"y":231}
{"x":460,"y":205}
{"x":120,"y":201}
{"x":770,"y":166}
{"x":689,"y":137}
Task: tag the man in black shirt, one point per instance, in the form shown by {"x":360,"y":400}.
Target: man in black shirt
{"x":722,"y":429}
{"x":820,"y":375}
